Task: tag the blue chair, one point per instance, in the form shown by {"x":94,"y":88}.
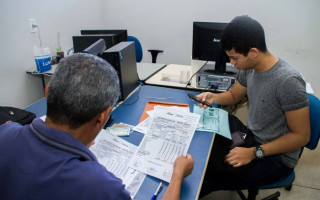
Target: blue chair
{"x":139,"y":52}
{"x":314,"y":113}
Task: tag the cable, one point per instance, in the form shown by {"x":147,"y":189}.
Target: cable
{"x":129,"y":104}
{"x":33,"y":26}
{"x":189,"y":82}
{"x":234,"y":107}
{"x":69,"y":50}
{"x":233,"y":81}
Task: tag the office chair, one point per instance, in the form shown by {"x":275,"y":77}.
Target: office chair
{"x":314,"y":113}
{"x":139,"y":52}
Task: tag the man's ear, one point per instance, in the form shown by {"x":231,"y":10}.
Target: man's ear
{"x":104,"y":116}
{"x":46,"y":90}
{"x":253,"y":52}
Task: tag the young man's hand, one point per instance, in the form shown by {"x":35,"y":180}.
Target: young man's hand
{"x":205,"y":96}
{"x":240,"y":156}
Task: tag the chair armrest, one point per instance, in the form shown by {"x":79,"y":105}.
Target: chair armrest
{"x":154,"y":54}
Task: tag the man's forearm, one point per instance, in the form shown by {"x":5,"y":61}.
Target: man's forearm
{"x":174,"y":189}
{"x":299,"y":135}
{"x":224,"y":99}
{"x":231,"y":97}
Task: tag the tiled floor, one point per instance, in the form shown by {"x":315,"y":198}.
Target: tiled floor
{"x":305,"y":187}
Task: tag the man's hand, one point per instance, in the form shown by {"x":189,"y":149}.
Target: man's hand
{"x":183,"y":166}
{"x":240,"y":156}
{"x":205,"y":96}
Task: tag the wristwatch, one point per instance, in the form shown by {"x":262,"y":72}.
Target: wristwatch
{"x":259,"y":152}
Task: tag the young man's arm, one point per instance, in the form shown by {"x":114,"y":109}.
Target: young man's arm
{"x":299,"y":135}
{"x":231,"y":97}
{"x":183,"y":167}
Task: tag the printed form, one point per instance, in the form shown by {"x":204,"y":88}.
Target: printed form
{"x":169,"y":135}
{"x":114,"y":154}
{"x":143,"y":127}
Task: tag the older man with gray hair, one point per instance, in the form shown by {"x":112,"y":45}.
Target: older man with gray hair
{"x":50,"y":160}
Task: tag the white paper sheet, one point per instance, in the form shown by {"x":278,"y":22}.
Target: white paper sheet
{"x":169,"y":136}
{"x":115,"y":153}
{"x":145,"y":124}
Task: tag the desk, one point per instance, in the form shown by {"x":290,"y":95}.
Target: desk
{"x":130,"y":111}
{"x":169,"y":76}
{"x":145,"y":70}
{"x":33,"y":71}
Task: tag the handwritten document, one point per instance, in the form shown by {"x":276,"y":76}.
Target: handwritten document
{"x":114,"y":154}
{"x":213,"y":120}
{"x":169,"y":135}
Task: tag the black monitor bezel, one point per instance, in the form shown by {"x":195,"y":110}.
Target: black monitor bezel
{"x":122,"y":34}
{"x":208,"y":48}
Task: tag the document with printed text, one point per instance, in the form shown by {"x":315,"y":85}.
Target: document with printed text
{"x":143,"y":127}
{"x":169,"y":135}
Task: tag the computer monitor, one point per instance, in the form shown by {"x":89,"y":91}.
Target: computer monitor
{"x":122,"y":35}
{"x":206,"y":45}
{"x":96,"y":48}
{"x":83,"y":41}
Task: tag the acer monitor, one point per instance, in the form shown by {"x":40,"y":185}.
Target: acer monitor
{"x":206,"y":45}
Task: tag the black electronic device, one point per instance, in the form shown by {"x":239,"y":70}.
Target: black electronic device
{"x":122,"y":57}
{"x":193,"y":97}
{"x":206,"y":47}
{"x":206,"y":44}
{"x":96,"y":48}
{"x":83,"y":41}
{"x":122,"y":35}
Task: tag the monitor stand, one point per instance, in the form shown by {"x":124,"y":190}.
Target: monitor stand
{"x":229,"y":71}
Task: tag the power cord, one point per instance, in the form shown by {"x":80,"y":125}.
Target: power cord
{"x":189,"y":82}
{"x":139,"y":88}
{"x":232,"y":109}
{"x":36,"y":26}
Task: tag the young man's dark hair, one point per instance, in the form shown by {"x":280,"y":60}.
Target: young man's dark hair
{"x":242,"y":34}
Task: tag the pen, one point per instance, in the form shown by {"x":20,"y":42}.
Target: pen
{"x":157,"y":191}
